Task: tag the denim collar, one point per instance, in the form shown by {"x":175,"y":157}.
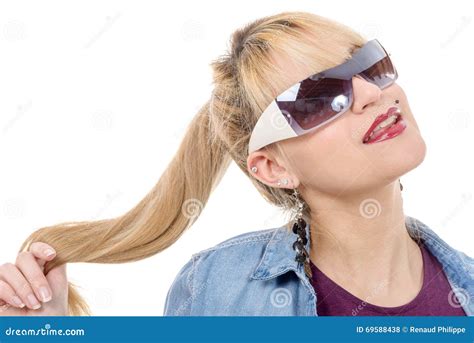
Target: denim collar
{"x":279,"y":258}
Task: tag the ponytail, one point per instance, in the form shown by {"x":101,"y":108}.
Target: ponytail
{"x":156,"y":222}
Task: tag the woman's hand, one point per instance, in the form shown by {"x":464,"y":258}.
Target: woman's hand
{"x":26,"y":291}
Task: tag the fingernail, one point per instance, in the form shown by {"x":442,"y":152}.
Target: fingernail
{"x":45,"y":294}
{"x":18,"y":301}
{"x":49,"y":252}
{"x":33,"y":302}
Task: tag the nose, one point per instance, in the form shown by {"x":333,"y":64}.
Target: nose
{"x":364,"y":93}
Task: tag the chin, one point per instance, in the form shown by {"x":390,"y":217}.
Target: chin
{"x":399,"y":155}
{"x":408,"y":156}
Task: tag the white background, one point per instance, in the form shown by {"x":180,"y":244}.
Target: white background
{"x":90,"y":116}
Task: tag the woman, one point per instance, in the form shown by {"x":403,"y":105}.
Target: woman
{"x":312,"y":113}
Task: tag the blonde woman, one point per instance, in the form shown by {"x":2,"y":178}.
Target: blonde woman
{"x":311,"y":112}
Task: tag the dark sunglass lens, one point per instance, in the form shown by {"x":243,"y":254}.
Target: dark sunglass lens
{"x":382,"y":73}
{"x":318,"y":101}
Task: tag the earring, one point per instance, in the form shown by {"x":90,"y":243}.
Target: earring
{"x":302,"y":256}
{"x":254,"y":169}
{"x":401,"y":186}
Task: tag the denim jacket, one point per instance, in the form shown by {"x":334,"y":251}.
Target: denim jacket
{"x":255,"y":274}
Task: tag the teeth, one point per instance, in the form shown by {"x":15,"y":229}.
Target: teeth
{"x":390,"y":120}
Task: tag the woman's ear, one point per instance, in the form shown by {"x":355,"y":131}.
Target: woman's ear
{"x":268,"y":171}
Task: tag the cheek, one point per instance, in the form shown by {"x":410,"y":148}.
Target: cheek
{"x":328,"y":160}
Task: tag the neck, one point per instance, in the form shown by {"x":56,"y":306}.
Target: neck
{"x":362,"y":242}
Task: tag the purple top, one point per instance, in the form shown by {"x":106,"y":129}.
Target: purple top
{"x":434,"y":299}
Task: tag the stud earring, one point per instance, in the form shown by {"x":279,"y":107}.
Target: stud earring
{"x":254,"y":169}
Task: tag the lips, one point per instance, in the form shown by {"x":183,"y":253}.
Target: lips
{"x":380,"y":118}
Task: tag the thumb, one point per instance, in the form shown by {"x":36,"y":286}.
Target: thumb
{"x":57,"y":279}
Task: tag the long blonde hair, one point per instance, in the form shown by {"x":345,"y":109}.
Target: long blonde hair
{"x":246,"y":79}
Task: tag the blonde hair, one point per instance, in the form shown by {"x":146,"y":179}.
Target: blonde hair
{"x":246,"y":79}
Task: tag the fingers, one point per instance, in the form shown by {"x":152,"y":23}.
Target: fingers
{"x":57,"y":278}
{"x":43,"y":252}
{"x":8,"y":295}
{"x":29,"y":267}
{"x":24,"y":283}
{"x":12,"y":275}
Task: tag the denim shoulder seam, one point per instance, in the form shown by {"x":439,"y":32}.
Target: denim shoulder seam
{"x":265,"y":236}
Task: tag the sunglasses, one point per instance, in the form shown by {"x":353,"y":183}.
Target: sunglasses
{"x":322,"y":97}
